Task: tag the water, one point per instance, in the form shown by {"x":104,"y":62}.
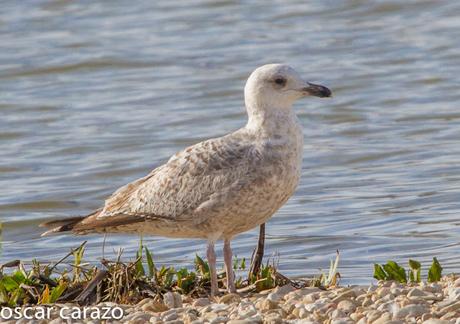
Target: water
{"x":94,"y":95}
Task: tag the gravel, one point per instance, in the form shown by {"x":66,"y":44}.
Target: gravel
{"x":386,"y":302}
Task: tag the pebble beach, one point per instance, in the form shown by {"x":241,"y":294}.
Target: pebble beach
{"x":385,"y":302}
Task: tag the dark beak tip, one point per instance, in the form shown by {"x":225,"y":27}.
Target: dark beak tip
{"x":318,"y":90}
{"x":327,"y":93}
{"x":324,"y":92}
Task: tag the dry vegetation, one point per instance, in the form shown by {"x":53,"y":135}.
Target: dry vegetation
{"x":73,"y":280}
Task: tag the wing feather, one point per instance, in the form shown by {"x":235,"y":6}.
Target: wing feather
{"x":188,"y":182}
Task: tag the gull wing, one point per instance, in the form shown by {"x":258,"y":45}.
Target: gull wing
{"x":190,"y":179}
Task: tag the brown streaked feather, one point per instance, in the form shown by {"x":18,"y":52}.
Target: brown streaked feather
{"x":94,"y":224}
{"x":91,"y":223}
{"x":177,"y":191}
{"x":61,"y":222}
{"x":67,"y":224}
{"x":190,"y":178}
{"x":121,"y":196}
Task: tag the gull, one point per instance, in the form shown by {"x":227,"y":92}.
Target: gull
{"x":221,"y":187}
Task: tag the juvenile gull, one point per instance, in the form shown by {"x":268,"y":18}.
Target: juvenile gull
{"x":221,"y":187}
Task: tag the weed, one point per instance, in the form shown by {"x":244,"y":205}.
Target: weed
{"x":393,"y":271}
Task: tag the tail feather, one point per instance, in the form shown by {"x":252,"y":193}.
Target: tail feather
{"x":61,"y":225}
{"x":91,"y":223}
{"x":60,"y":222}
{"x":66,"y":224}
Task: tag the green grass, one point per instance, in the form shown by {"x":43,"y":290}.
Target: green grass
{"x":71,"y":279}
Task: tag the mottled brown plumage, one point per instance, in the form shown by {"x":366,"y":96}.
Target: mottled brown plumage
{"x":221,"y":187}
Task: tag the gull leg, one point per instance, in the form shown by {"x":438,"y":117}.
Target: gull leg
{"x":258,"y":255}
{"x":211,"y":255}
{"x":229,"y":267}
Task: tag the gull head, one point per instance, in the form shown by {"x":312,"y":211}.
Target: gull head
{"x":278,"y":86}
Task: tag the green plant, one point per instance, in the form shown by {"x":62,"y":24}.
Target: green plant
{"x":202,"y":267}
{"x":390,"y":271}
{"x":185,"y":280}
{"x":266,"y":278}
{"x":333,"y":275}
{"x":139,"y":266}
{"x":150,"y":264}
{"x":393,"y":271}
{"x":435,"y":271}
{"x":78,"y":258}
{"x":239,"y":264}
{"x":415,"y":271}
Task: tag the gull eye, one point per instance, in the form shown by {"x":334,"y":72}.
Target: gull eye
{"x":280,"y":81}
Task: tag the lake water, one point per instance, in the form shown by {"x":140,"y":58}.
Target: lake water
{"x":96,"y":94}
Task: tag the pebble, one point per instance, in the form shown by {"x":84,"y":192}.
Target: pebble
{"x":200,"y":302}
{"x":153,"y":306}
{"x":268,"y":304}
{"x":279,"y":292}
{"x":230,"y":298}
{"x":342,"y":321}
{"x":337,"y":313}
{"x":170,"y":317}
{"x":346,"y":305}
{"x":451,"y":308}
{"x":416,"y":292}
{"x":384,"y":303}
{"x":219,"y":319}
{"x":172,"y":300}
{"x":450,"y":315}
{"x":345,"y":295}
{"x":410,"y":310}
{"x":273,"y":318}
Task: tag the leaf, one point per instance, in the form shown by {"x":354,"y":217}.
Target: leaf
{"x":9,"y":283}
{"x":169,"y":277}
{"x":379,"y":273}
{"x":3,"y":295}
{"x":141,"y":246}
{"x":164,"y":277}
{"x":435,"y":271}
{"x":57,"y":291}
{"x":185,"y":280}
{"x":414,"y":264}
{"x":395,"y":272}
{"x":45,"y":297}
{"x":266,"y":280}
{"x":333,"y":274}
{"x":150,"y":263}
{"x":78,"y":255}
{"x":15,"y":296}
{"x":202,"y":266}
{"x":235,"y":262}
{"x":139,"y":267}
{"x":414,"y":274}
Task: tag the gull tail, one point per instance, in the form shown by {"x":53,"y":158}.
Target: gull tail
{"x":61,"y":225}
{"x":66,"y":224}
{"x":92,"y":224}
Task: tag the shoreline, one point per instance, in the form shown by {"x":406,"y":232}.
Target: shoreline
{"x":387,"y":302}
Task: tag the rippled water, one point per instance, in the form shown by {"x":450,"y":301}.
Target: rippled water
{"x":94,"y":95}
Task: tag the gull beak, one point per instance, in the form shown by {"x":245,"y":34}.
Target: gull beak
{"x":316,"y":90}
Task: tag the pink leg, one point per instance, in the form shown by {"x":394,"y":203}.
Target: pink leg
{"x":211,"y":255}
{"x":229,"y":267}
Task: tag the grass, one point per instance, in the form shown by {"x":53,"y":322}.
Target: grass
{"x":71,"y":279}
{"x":333,"y":276}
